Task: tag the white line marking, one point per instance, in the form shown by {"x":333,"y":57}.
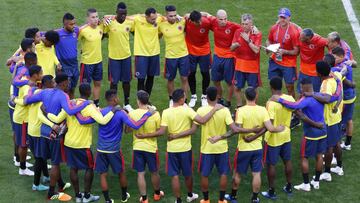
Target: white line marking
{"x":352,"y":19}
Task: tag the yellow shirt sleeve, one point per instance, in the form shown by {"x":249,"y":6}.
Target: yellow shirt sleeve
{"x":270,"y":109}
{"x":239,"y":118}
{"x":57,"y":118}
{"x":92,"y":111}
{"x":326,"y":88}
{"x":228,"y":118}
{"x":157,"y":120}
{"x":43,"y":119}
{"x":19,"y":101}
{"x":266,"y":115}
{"x":191,"y":113}
{"x":164,"y":119}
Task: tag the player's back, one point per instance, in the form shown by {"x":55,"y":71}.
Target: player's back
{"x":314,"y":110}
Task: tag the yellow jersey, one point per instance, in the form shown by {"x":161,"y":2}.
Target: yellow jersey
{"x":90,"y":40}
{"x":21,"y":111}
{"x":328,"y":86}
{"x":46,"y":58}
{"x":175,"y":45}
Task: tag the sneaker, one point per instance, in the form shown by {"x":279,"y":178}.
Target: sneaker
{"x":158,"y":197}
{"x":49,"y":166}
{"x":205,"y":201}
{"x":79,"y":199}
{"x":345,"y":147}
{"x":26,"y":172}
{"x":39,"y":187}
{"x":66,"y":186}
{"x":144,"y":201}
{"x":45,"y":179}
{"x":268,"y":195}
{"x":204,"y":100}
{"x":111,"y":201}
{"x":171,"y":103}
{"x":294,"y":122}
{"x":127,"y":198}
{"x":128,"y":108}
{"x":315,"y":184}
{"x":60,"y":196}
{"x":303,"y":186}
{"x":325,"y":176}
{"x":287,"y":191}
{"x":194,"y":197}
{"x":193,"y":101}
{"x":257,"y":200}
{"x":338,"y":170}
{"x":230,"y":199}
{"x":92,"y":198}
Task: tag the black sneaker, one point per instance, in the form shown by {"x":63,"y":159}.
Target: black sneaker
{"x":288,"y":191}
{"x":295,"y":121}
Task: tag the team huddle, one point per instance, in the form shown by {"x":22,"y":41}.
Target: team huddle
{"x":55,"y":126}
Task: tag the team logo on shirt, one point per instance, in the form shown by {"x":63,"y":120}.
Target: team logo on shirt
{"x":287,"y":36}
{"x":202,"y":30}
{"x":127,"y":29}
{"x":311,"y":46}
{"x":180,"y":27}
{"x":227,"y":31}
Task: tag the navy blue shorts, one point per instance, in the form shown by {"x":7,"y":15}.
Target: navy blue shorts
{"x":252,"y":79}
{"x":57,"y":152}
{"x":142,"y":158}
{"x":115,"y":160}
{"x":73,"y":73}
{"x":79,"y":158}
{"x":44,"y":148}
{"x":207,"y":162}
{"x":316,"y":82}
{"x":311,"y":148}
{"x":203,"y":61}
{"x":179,"y":162}
{"x":21,"y":136}
{"x":119,"y":70}
{"x":11,"y":113}
{"x":34,"y":145}
{"x":147,"y":66}
{"x":172,"y":65}
{"x":333,"y":134}
{"x":89,"y":72}
{"x":245,"y":159}
{"x":222,"y":69}
{"x":288,"y":73}
{"x":347,"y":114}
{"x":271,"y":154}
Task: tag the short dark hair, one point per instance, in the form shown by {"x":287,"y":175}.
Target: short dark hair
{"x":46,"y":79}
{"x":306,"y":81}
{"x":195,"y":16}
{"x":276,"y":83}
{"x":170,"y":8}
{"x":52,"y":36}
{"x":250,"y":93}
{"x":85,"y":89}
{"x":30,"y":56}
{"x":109,"y":94}
{"x":143,"y":97}
{"x":150,"y":11}
{"x":90,"y":10}
{"x":121,"y":5}
{"x":68,"y":16}
{"x":330,"y":59}
{"x":323,"y":68}
{"x":308,"y":32}
{"x":338,"y":51}
{"x":26,"y":43}
{"x":211,"y":93}
{"x":61,"y":77}
{"x":34,"y":69}
{"x":31,"y":32}
{"x":177,"y":95}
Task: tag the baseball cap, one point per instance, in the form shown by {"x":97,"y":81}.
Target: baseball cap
{"x":284,"y":12}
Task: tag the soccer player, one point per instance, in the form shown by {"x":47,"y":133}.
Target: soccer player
{"x":311,"y":50}
{"x":108,"y":146}
{"x":145,"y":150}
{"x":197,"y":40}
{"x":90,"y":37}
{"x":283,"y":62}
{"x":246,"y":46}
{"x":47,"y":58}
{"x":66,"y":50}
{"x":176,"y":53}
{"x":335,"y":41}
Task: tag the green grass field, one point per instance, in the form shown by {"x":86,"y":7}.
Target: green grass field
{"x":323,"y":16}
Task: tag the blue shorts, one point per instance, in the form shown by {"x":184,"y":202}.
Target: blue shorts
{"x":147,"y":66}
{"x":179,"y":162}
{"x":207,"y":162}
{"x":44,"y":148}
{"x":142,"y":158}
{"x":73,"y":73}
{"x":316,"y":82}
{"x":119,"y":70}
{"x":272,"y":154}
{"x":89,"y":72}
{"x":252,"y":79}
{"x":115,"y":160}
{"x":172,"y":65}
{"x":34,"y":145}
{"x":21,"y":135}
{"x":57,"y":152}
{"x":288,"y":73}
{"x":333,"y":135}
{"x":347,"y":114}
{"x":222,"y":69}
{"x":245,"y":159}
{"x":311,"y":148}
{"x":11,"y":113}
{"x":203,"y":61}
{"x":79,"y":158}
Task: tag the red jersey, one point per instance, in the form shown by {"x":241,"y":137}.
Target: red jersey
{"x":246,"y":59}
{"x":223,"y":36}
{"x":197,"y":37}
{"x":310,"y":53}
{"x":288,"y":38}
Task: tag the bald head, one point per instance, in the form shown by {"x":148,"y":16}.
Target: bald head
{"x":221,"y":16}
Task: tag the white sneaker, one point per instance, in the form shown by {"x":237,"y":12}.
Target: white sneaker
{"x":333,"y":161}
{"x":26,"y":172}
{"x":193,"y":101}
{"x":49,"y":166}
{"x":338,"y":170}
{"x":194,"y":197}
{"x":204,"y":100}
{"x":92,"y":198}
{"x":303,"y":186}
{"x":128,"y":108}
{"x":325,"y":176}
{"x":171,"y":103}
{"x":315,"y":184}
{"x":345,"y":147}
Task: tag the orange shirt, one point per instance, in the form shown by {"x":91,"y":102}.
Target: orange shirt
{"x":197,"y":37}
{"x":310,"y":53}
{"x":288,"y":38}
{"x":246,"y":59}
